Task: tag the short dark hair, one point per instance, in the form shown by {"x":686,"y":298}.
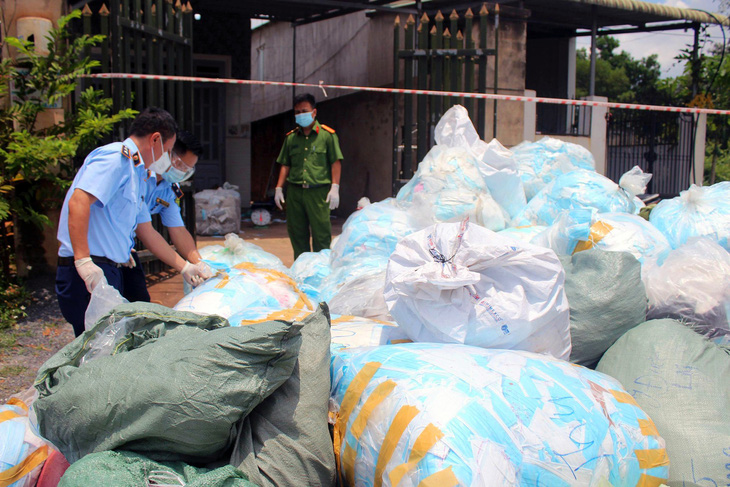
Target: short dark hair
{"x":153,"y":120}
{"x":187,"y":142}
{"x":305,"y":97}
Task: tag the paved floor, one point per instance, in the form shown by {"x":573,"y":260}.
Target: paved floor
{"x":167,"y":288}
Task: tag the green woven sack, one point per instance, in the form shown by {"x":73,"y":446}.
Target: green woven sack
{"x":682,"y":381}
{"x":607,"y":298}
{"x":173,"y":394}
{"x":127,"y":469}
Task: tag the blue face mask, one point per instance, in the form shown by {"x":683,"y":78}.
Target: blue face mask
{"x":175,"y":175}
{"x":304,"y":119}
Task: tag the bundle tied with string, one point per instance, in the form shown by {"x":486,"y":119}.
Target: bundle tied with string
{"x":462,"y":283}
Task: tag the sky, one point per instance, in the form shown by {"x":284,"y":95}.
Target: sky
{"x":668,"y":44}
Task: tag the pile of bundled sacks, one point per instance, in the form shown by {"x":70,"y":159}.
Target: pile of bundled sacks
{"x":506,"y":319}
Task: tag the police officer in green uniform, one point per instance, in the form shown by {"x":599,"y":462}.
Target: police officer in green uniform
{"x":311,"y":164}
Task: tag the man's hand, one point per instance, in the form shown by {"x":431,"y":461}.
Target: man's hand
{"x":196,"y":274}
{"x":333,"y":197}
{"x":130,"y":264}
{"x":89,"y":272}
{"x":279,"y":197}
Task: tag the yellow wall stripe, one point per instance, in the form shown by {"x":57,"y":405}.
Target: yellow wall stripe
{"x":624,"y":397}
{"x":652,"y":458}
{"x":375,"y":398}
{"x":444,"y":478}
{"x":349,"y":401}
{"x":348,"y":465}
{"x":401,"y":421}
{"x":648,"y":428}
{"x":421,"y":446}
{"x":598,"y":231}
{"x":13,"y":474}
{"x":650,"y":481}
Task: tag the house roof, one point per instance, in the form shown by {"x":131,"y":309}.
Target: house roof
{"x":576,"y":14}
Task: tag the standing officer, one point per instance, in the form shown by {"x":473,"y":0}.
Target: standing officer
{"x":311,"y":163}
{"x":162,"y":193}
{"x":101,"y":211}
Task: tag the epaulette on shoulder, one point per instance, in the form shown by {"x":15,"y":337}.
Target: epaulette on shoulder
{"x":125,"y":152}
{"x":328,"y":129}
{"x":291,"y":132}
{"x":177,"y":190}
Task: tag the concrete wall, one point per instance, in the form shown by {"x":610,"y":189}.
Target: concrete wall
{"x":348,"y":50}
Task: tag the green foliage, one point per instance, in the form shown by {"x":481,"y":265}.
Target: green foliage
{"x":13,"y":301}
{"x":620,"y":77}
{"x":36,"y":163}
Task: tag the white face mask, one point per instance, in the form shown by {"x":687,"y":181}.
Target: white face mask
{"x":161,"y":164}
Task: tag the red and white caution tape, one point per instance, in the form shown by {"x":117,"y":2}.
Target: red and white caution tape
{"x":486,"y":96}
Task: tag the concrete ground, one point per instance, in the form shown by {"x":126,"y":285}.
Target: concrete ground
{"x":167,"y":288}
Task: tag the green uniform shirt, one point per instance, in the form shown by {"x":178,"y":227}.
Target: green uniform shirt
{"x":310,"y":157}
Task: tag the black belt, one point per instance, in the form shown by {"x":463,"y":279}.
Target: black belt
{"x":95,"y":258}
{"x":309,"y":186}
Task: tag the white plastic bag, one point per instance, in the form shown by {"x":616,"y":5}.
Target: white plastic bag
{"x":692,"y":285}
{"x":634,"y":181}
{"x":218,"y":211}
{"x":462,"y":283}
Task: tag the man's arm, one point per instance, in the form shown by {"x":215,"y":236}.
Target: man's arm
{"x":282,"y":176}
{"x":336,"y":171}
{"x":184,"y":243}
{"x":156,"y":244}
{"x":79,"y":211}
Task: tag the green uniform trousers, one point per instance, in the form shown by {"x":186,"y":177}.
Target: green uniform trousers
{"x":305,"y":208}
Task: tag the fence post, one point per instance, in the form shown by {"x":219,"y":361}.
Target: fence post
{"x":699,"y":149}
{"x":422,"y":108}
{"x":408,"y":102}
{"x":598,"y":134}
{"x":396,"y":118}
{"x":469,"y":63}
{"x":482,"y":82}
{"x":530,"y":117}
{"x":454,"y":60}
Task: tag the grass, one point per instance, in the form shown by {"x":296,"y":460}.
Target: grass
{"x":12,"y":370}
{"x":7,"y":339}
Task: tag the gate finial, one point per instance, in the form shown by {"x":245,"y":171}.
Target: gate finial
{"x":484,"y":10}
{"x":469,"y":14}
{"x":439,"y":16}
{"x":454,"y":15}
{"x":103,"y":10}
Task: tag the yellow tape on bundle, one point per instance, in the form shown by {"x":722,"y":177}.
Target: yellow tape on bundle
{"x":425,"y":441}
{"x":349,"y":401}
{"x":402,"y":419}
{"x":13,"y":474}
{"x":274,"y":275}
{"x":348,"y":464}
{"x":648,"y":428}
{"x":6,"y":415}
{"x":375,"y":398}
{"x":223,"y":282}
{"x":14,"y":401}
{"x":650,"y":481}
{"x":652,"y":458}
{"x":284,"y":315}
{"x":598,"y":231}
{"x":624,"y":397}
{"x":349,"y":318}
{"x":444,"y":478}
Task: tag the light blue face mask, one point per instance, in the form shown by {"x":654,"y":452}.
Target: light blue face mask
{"x":175,"y":175}
{"x":304,"y":119}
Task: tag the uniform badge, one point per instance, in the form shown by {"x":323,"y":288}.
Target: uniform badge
{"x":135,"y":158}
{"x":162,"y":202}
{"x":176,"y":189}
{"x":125,"y":151}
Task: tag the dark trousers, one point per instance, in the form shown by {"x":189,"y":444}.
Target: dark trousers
{"x":306,"y":208}
{"x":135,"y":284}
{"x":73,"y":298}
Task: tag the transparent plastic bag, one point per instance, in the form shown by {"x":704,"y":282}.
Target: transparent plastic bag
{"x":693,"y":286}
{"x":103,"y":299}
{"x":700,"y":211}
{"x":634,"y":181}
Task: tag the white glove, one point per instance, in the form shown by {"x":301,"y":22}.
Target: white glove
{"x":205,"y":272}
{"x":89,"y":272}
{"x":333,"y":197}
{"x":130,"y":264}
{"x":279,"y":197}
{"x":192,"y":274}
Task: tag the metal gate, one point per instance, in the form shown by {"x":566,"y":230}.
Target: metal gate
{"x":146,"y":37}
{"x":441,"y":58}
{"x":661,"y":143}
